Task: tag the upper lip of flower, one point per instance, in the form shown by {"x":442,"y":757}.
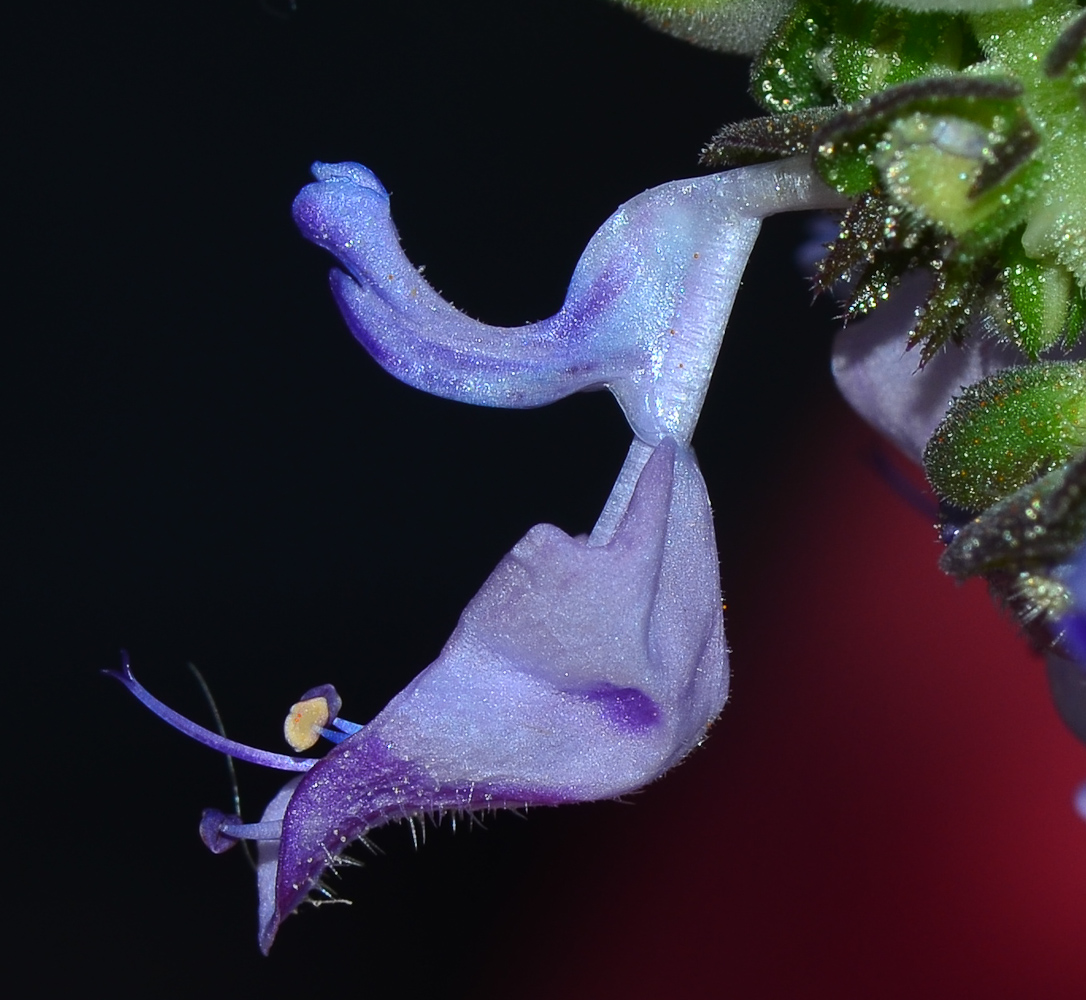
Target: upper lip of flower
{"x":644,"y":315}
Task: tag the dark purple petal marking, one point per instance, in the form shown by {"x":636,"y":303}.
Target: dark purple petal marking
{"x":628,"y":708}
{"x":361,"y":785}
{"x":579,"y":671}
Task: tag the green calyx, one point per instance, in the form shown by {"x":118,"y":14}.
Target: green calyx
{"x":836,"y":53}
{"x":957,"y":129}
{"x":965,"y":128}
{"x":1021,"y":544}
{"x":1006,"y":431}
{"x":1045,"y":304}
{"x":1053,"y":98}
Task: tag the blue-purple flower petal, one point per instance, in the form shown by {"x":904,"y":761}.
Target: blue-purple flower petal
{"x":578,"y":672}
{"x":585,"y":667}
{"x":644,"y":315}
{"x":880,"y":380}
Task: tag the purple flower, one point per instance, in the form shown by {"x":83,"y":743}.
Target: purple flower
{"x":583,"y":669}
{"x":1073,"y":624}
{"x":1067,"y":665}
{"x":882,"y":383}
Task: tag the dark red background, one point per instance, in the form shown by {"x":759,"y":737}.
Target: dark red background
{"x":884,"y":810}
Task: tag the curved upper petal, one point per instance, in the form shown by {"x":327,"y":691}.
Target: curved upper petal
{"x":644,"y":315}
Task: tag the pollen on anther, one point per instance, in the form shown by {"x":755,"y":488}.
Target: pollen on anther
{"x":302,"y":727}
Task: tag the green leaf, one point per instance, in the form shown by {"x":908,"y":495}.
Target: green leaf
{"x":956,"y":151}
{"x":737,"y":26}
{"x":1040,"y":525}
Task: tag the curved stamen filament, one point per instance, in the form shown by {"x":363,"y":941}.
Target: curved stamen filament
{"x":270,"y":830}
{"x":241,"y":751}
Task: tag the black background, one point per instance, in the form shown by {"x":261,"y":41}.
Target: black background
{"x":203,"y":466}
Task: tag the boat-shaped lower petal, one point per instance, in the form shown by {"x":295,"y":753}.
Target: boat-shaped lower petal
{"x":578,"y":672}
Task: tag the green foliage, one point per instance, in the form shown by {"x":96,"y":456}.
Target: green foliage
{"x":960,"y":130}
{"x":1042,"y":524}
{"x":1006,"y":431}
{"x":826,"y":53}
{"x":949,"y":164}
{"x":1045,"y":305}
{"x":951,"y":149}
{"x":739,"y":26}
{"x":1043,"y":50}
{"x":791,"y":73}
{"x":875,"y":48}
{"x":1019,"y":543}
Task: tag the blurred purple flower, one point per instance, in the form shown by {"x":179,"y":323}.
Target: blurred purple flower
{"x":1067,"y":666}
{"x":880,"y":379}
{"x":882,"y":383}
